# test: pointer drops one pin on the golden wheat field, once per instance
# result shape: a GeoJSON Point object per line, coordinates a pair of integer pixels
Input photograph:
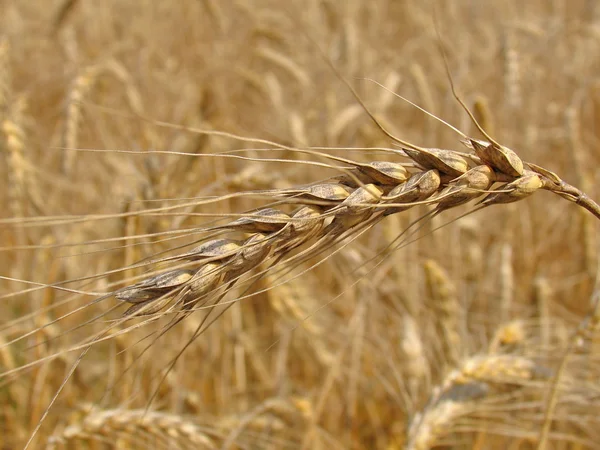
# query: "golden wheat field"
{"type": "Point", "coordinates": [223, 225]}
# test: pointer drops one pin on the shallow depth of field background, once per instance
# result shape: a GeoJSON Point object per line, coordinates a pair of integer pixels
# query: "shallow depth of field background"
{"type": "Point", "coordinates": [356, 372]}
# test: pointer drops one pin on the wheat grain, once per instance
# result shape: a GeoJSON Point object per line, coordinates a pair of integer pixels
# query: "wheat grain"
{"type": "Point", "coordinates": [135, 427]}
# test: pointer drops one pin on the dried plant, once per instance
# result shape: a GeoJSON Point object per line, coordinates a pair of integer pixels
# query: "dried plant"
{"type": "Point", "coordinates": [187, 286]}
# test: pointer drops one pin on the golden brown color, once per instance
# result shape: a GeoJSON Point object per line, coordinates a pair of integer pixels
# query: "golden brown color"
{"type": "Point", "coordinates": [157, 171]}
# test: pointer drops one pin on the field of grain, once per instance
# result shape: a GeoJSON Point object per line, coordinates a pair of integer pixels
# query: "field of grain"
{"type": "Point", "coordinates": [133, 133]}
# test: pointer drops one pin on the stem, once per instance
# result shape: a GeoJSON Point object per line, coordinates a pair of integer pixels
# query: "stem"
{"type": "Point", "coordinates": [589, 204]}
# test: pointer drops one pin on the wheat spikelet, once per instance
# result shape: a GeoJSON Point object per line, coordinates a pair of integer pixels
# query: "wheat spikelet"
{"type": "Point", "coordinates": [413, 350]}
{"type": "Point", "coordinates": [80, 87]}
{"type": "Point", "coordinates": [63, 12]}
{"type": "Point", "coordinates": [293, 301]}
{"type": "Point", "coordinates": [14, 149]}
{"type": "Point", "coordinates": [133, 427]}
{"type": "Point", "coordinates": [342, 122]}
{"type": "Point", "coordinates": [284, 232]}
{"type": "Point", "coordinates": [483, 113]}
{"type": "Point", "coordinates": [391, 82]}
{"type": "Point", "coordinates": [287, 64]}
{"type": "Point", "coordinates": [427, 98]}
{"type": "Point", "coordinates": [437, 421]}
{"type": "Point", "coordinates": [497, 368]}
{"type": "Point", "coordinates": [445, 302]}
{"type": "Point", "coordinates": [274, 417]}
{"type": "Point", "coordinates": [508, 337]}
{"type": "Point", "coordinates": [460, 391]}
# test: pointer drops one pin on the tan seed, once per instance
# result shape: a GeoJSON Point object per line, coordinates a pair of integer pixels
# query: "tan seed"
{"type": "Point", "coordinates": [215, 248]}
{"type": "Point", "coordinates": [383, 172]}
{"type": "Point", "coordinates": [329, 191]}
{"type": "Point", "coordinates": [501, 158]}
{"type": "Point", "coordinates": [445, 161]}
{"type": "Point", "coordinates": [517, 190]}
{"type": "Point", "coordinates": [267, 219]}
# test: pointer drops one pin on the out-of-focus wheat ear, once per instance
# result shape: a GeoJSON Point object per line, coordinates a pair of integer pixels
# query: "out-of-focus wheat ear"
{"type": "Point", "coordinates": [79, 89]}
{"type": "Point", "coordinates": [293, 302]}
{"type": "Point", "coordinates": [139, 428]}
{"type": "Point", "coordinates": [63, 12]}
{"type": "Point", "coordinates": [483, 113]}
{"type": "Point", "coordinates": [507, 282]}
{"type": "Point", "coordinates": [13, 135]}
{"type": "Point", "coordinates": [428, 426]}
{"type": "Point", "coordinates": [463, 388]}
{"type": "Point", "coordinates": [508, 336]}
{"type": "Point", "coordinates": [512, 71]}
{"type": "Point", "coordinates": [417, 368]}
{"type": "Point", "coordinates": [287, 64]}
{"type": "Point", "coordinates": [273, 416]}
{"type": "Point", "coordinates": [385, 100]}
{"type": "Point", "coordinates": [449, 310]}
{"type": "Point", "coordinates": [425, 94]}
{"type": "Point", "coordinates": [473, 260]}
{"type": "Point", "coordinates": [297, 126]}
{"type": "Point", "coordinates": [496, 369]}
{"type": "Point", "coordinates": [134, 97]}
{"type": "Point", "coordinates": [328, 383]}
{"type": "Point", "coordinates": [342, 121]}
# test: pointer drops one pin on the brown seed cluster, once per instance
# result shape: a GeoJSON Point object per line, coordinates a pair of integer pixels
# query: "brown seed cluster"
{"type": "Point", "coordinates": [329, 211]}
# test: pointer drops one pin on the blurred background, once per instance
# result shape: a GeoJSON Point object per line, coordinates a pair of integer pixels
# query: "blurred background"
{"type": "Point", "coordinates": [450, 343]}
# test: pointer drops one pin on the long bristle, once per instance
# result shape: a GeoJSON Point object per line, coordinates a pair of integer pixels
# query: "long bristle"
{"type": "Point", "coordinates": [215, 235]}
